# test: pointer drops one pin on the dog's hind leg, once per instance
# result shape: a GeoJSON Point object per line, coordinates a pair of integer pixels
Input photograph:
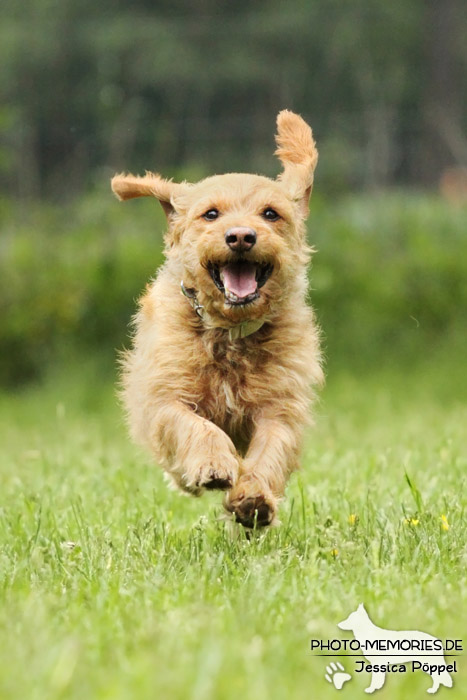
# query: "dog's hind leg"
{"type": "Point", "coordinates": [438, 679]}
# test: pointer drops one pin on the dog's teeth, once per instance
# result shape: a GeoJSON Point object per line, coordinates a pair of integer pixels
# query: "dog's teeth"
{"type": "Point", "coordinates": [231, 296]}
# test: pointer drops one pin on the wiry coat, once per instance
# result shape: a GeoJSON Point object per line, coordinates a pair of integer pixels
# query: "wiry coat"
{"type": "Point", "coordinates": [219, 412]}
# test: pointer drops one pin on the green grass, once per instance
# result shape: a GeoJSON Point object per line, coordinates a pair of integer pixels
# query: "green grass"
{"type": "Point", "coordinates": [113, 586]}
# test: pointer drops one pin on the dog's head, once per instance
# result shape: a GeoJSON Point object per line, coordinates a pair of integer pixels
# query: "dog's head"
{"type": "Point", "coordinates": [356, 619]}
{"type": "Point", "coordinates": [239, 239]}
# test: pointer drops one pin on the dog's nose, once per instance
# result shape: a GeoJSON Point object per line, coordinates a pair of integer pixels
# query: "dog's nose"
{"type": "Point", "coordinates": [240, 238]}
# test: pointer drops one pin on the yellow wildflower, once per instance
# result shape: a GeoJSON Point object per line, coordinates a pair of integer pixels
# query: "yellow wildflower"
{"type": "Point", "coordinates": [353, 519]}
{"type": "Point", "coordinates": [444, 523]}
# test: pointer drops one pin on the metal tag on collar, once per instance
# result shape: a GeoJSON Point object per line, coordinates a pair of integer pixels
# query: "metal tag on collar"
{"type": "Point", "coordinates": [243, 330]}
{"type": "Point", "coordinates": [190, 294]}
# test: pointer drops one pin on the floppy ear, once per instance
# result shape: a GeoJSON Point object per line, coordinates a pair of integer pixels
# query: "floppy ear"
{"type": "Point", "coordinates": [150, 185]}
{"type": "Point", "coordinates": [297, 152]}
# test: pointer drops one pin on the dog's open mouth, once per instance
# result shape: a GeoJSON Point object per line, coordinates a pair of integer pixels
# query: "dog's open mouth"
{"type": "Point", "coordinates": [241, 280]}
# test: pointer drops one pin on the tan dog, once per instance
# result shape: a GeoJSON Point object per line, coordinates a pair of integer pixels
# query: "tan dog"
{"type": "Point", "coordinates": [220, 377]}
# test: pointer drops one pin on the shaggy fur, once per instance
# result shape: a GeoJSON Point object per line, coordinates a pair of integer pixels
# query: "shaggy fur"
{"type": "Point", "coordinates": [215, 411]}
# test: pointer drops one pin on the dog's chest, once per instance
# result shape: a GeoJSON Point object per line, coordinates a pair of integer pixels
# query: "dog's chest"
{"type": "Point", "coordinates": [229, 379]}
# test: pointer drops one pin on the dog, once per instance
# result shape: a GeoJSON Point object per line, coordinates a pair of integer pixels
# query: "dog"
{"type": "Point", "coordinates": [226, 355]}
{"type": "Point", "coordinates": [368, 634]}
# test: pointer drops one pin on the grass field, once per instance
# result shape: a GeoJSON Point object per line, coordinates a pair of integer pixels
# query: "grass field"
{"type": "Point", "coordinates": [112, 586]}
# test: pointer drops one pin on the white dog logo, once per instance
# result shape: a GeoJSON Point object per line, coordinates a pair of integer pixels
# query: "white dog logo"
{"type": "Point", "coordinates": [368, 635]}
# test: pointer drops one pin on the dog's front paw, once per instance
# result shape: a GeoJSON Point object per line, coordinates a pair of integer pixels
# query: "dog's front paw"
{"type": "Point", "coordinates": [219, 474]}
{"type": "Point", "coordinates": [213, 478]}
{"type": "Point", "coordinates": [251, 505]}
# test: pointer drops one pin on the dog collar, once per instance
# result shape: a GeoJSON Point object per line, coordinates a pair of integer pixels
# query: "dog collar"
{"type": "Point", "coordinates": [242, 330]}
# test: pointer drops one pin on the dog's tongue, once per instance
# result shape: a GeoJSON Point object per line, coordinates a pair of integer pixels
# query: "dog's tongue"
{"type": "Point", "coordinates": [240, 278]}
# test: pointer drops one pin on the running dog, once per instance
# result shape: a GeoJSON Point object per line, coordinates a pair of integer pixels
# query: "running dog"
{"type": "Point", "coordinates": [225, 354]}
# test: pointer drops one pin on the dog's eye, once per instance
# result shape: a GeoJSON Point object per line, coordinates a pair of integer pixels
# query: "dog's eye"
{"type": "Point", "coordinates": [211, 214]}
{"type": "Point", "coordinates": [270, 214]}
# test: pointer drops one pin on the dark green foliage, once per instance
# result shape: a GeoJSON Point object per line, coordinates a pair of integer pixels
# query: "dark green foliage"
{"type": "Point", "coordinates": [389, 277]}
{"type": "Point", "coordinates": [92, 87]}
{"type": "Point", "coordinates": [69, 281]}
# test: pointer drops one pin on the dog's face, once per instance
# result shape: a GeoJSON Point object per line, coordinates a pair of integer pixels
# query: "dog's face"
{"type": "Point", "coordinates": [239, 239]}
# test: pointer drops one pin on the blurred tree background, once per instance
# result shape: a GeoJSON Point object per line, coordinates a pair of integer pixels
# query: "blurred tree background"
{"type": "Point", "coordinates": [189, 89]}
